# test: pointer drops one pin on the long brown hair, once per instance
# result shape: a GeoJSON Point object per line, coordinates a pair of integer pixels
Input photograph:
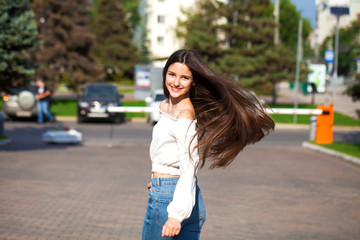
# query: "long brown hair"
{"type": "Point", "coordinates": [228, 116]}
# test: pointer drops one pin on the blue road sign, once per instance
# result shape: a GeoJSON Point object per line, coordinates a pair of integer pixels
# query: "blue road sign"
{"type": "Point", "coordinates": [329, 56]}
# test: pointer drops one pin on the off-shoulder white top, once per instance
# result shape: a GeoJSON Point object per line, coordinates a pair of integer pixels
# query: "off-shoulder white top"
{"type": "Point", "coordinates": [169, 153]}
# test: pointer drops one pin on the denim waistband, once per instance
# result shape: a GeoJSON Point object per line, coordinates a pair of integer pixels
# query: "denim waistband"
{"type": "Point", "coordinates": [164, 181]}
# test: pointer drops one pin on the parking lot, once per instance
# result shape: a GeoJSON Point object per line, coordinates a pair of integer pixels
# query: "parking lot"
{"type": "Point", "coordinates": [273, 190]}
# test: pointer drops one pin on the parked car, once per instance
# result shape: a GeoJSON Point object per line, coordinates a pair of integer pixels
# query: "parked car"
{"type": "Point", "coordinates": [94, 101]}
{"type": "Point", "coordinates": [20, 103]}
{"type": "Point", "coordinates": [154, 101]}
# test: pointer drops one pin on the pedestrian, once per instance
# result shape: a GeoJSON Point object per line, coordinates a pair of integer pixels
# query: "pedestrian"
{"type": "Point", "coordinates": [43, 98]}
{"type": "Point", "coordinates": [205, 118]}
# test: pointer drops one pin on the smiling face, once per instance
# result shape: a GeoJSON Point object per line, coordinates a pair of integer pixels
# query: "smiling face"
{"type": "Point", "coordinates": [179, 80]}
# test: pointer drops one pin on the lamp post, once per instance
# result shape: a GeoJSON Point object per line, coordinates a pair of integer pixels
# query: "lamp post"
{"type": "Point", "coordinates": [337, 8]}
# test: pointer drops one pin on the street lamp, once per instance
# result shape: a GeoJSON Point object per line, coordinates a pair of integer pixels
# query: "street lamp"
{"type": "Point", "coordinates": [337, 8]}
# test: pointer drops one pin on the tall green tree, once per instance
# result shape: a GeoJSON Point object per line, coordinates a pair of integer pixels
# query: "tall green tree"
{"type": "Point", "coordinates": [114, 47]}
{"type": "Point", "coordinates": [64, 53]}
{"type": "Point", "coordinates": [288, 25]}
{"type": "Point", "coordinates": [252, 56]}
{"type": "Point", "coordinates": [237, 38]}
{"type": "Point", "coordinates": [201, 30]}
{"type": "Point", "coordinates": [349, 48]}
{"type": "Point", "coordinates": [18, 33]}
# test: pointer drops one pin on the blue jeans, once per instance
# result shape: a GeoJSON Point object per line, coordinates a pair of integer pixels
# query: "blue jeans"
{"type": "Point", "coordinates": [43, 108]}
{"type": "Point", "coordinates": [160, 195]}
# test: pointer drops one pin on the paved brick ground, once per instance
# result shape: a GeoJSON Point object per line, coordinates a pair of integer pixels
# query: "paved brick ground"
{"type": "Point", "coordinates": [95, 193]}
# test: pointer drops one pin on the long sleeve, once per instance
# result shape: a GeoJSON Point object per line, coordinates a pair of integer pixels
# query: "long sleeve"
{"type": "Point", "coordinates": [184, 195]}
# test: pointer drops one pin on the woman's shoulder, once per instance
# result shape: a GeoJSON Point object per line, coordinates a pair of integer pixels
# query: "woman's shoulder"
{"type": "Point", "coordinates": [186, 114]}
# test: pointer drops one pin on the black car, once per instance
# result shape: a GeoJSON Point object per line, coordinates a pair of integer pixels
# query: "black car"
{"type": "Point", "coordinates": [94, 101]}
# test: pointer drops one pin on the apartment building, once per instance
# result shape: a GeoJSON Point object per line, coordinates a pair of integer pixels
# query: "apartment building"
{"type": "Point", "coordinates": [326, 22]}
{"type": "Point", "coordinates": [160, 19]}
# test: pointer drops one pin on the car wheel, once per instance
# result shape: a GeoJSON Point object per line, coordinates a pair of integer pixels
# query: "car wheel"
{"type": "Point", "coordinates": [26, 100]}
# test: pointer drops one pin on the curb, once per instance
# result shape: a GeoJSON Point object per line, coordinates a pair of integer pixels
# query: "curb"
{"type": "Point", "coordinates": [291, 126]}
{"type": "Point", "coordinates": [65, 119]}
{"type": "Point", "coordinates": [331, 152]}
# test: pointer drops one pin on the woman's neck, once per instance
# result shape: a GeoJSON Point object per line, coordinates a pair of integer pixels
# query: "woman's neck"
{"type": "Point", "coordinates": [175, 106]}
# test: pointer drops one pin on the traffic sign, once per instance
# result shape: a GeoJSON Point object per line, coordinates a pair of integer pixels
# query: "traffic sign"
{"type": "Point", "coordinates": [329, 56]}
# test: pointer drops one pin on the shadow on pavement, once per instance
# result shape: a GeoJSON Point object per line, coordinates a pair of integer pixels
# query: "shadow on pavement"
{"type": "Point", "coordinates": [349, 137]}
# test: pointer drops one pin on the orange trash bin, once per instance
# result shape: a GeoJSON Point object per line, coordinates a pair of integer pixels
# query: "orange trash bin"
{"type": "Point", "coordinates": [324, 125]}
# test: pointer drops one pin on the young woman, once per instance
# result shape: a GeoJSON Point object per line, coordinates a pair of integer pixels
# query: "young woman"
{"type": "Point", "coordinates": [204, 118]}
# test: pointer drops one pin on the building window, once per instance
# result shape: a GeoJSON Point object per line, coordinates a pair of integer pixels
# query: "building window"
{"type": "Point", "coordinates": [160, 41]}
{"type": "Point", "coordinates": [161, 19]}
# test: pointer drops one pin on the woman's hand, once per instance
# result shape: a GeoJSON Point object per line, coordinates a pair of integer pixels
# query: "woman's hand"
{"type": "Point", "coordinates": [171, 228]}
{"type": "Point", "coordinates": [149, 186]}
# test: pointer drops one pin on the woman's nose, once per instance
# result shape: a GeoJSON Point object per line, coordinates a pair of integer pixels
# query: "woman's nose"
{"type": "Point", "coordinates": [177, 81]}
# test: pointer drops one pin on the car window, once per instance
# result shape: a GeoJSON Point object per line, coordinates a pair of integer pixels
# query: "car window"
{"type": "Point", "coordinates": [159, 97]}
{"type": "Point", "coordinates": [100, 91]}
{"type": "Point", "coordinates": [32, 89]}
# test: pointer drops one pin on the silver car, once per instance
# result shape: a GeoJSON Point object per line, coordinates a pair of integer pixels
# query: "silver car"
{"type": "Point", "coordinates": [20, 103]}
{"type": "Point", "coordinates": [154, 101]}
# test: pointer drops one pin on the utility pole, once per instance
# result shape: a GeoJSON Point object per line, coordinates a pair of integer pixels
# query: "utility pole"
{"type": "Point", "coordinates": [336, 63]}
{"type": "Point", "coordinates": [337, 8]}
{"type": "Point", "coordinates": [298, 61]}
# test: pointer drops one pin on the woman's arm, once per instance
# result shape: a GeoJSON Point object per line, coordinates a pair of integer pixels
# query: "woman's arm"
{"type": "Point", "coordinates": [183, 201]}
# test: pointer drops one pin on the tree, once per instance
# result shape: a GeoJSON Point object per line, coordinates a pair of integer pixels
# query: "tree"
{"type": "Point", "coordinates": [237, 38]}
{"type": "Point", "coordinates": [349, 48]}
{"type": "Point", "coordinates": [114, 48]}
{"type": "Point", "coordinates": [201, 30]}
{"type": "Point", "coordinates": [18, 33]}
{"type": "Point", "coordinates": [289, 21]}
{"type": "Point", "coordinates": [352, 39]}
{"type": "Point", "coordinates": [354, 90]}
{"type": "Point", "coordinates": [64, 53]}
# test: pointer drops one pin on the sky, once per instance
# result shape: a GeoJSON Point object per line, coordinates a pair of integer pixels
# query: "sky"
{"type": "Point", "coordinates": [306, 8]}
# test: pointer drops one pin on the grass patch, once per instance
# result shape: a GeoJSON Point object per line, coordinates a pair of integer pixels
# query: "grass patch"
{"type": "Point", "coordinates": [3, 137]}
{"type": "Point", "coordinates": [125, 82]}
{"type": "Point", "coordinates": [64, 107]}
{"type": "Point", "coordinates": [134, 103]}
{"type": "Point", "coordinates": [339, 119]}
{"type": "Point", "coordinates": [68, 107]}
{"type": "Point", "coordinates": [126, 90]}
{"type": "Point", "coordinates": [344, 120]}
{"type": "Point", "coordinates": [289, 118]}
{"type": "Point", "coordinates": [351, 149]}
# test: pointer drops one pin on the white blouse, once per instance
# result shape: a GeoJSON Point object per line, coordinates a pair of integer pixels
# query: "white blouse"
{"type": "Point", "coordinates": [169, 153]}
